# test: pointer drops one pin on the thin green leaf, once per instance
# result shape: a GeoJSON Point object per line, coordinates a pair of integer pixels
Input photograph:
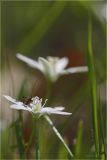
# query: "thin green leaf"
{"type": "Point", "coordinates": [93, 83]}
{"type": "Point", "coordinates": [19, 124]}
{"type": "Point", "coordinates": [103, 131]}
{"type": "Point", "coordinates": [19, 138]}
{"type": "Point", "coordinates": [79, 140]}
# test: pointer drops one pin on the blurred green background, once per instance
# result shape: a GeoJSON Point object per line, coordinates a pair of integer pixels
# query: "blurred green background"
{"type": "Point", "coordinates": [52, 28]}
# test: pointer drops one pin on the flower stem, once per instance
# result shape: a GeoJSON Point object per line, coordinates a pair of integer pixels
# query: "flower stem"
{"type": "Point", "coordinates": [32, 134]}
{"type": "Point", "coordinates": [48, 91]}
{"type": "Point", "coordinates": [37, 140]}
{"type": "Point", "coordinates": [35, 133]}
{"type": "Point", "coordinates": [58, 134]}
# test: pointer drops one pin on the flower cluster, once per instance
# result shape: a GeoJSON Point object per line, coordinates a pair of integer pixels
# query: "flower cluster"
{"type": "Point", "coordinates": [36, 107]}
{"type": "Point", "coordinates": [52, 68]}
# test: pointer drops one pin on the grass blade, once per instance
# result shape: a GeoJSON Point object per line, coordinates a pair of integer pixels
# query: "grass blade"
{"type": "Point", "coordinates": [19, 138]}
{"type": "Point", "coordinates": [79, 140]}
{"type": "Point", "coordinates": [93, 83]}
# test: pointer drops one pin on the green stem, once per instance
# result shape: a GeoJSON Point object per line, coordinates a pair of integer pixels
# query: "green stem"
{"type": "Point", "coordinates": [48, 91]}
{"type": "Point", "coordinates": [32, 134]}
{"type": "Point", "coordinates": [58, 134]}
{"type": "Point", "coordinates": [37, 140]}
{"type": "Point", "coordinates": [35, 133]}
{"type": "Point", "coordinates": [93, 88]}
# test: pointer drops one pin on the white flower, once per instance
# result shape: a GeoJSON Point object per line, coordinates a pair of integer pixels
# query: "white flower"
{"type": "Point", "coordinates": [52, 67]}
{"type": "Point", "coordinates": [36, 107]}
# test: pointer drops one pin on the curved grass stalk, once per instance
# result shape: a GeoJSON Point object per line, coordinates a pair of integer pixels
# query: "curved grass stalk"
{"type": "Point", "coordinates": [58, 135]}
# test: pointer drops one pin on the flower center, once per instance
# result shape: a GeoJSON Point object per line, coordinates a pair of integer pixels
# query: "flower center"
{"type": "Point", "coordinates": [36, 104]}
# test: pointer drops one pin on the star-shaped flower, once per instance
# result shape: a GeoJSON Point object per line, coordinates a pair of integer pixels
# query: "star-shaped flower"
{"type": "Point", "coordinates": [52, 67]}
{"type": "Point", "coordinates": [36, 107]}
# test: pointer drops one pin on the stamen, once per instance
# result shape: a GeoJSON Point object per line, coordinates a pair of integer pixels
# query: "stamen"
{"type": "Point", "coordinates": [45, 102]}
{"type": "Point", "coordinates": [41, 100]}
{"type": "Point", "coordinates": [35, 100]}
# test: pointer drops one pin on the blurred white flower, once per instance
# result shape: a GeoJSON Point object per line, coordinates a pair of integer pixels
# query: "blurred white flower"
{"type": "Point", "coordinates": [52, 67]}
{"type": "Point", "coordinates": [35, 106]}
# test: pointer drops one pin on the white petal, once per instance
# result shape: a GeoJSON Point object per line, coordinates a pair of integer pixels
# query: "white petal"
{"type": "Point", "coordinates": [75, 70]}
{"type": "Point", "coordinates": [29, 61]}
{"type": "Point", "coordinates": [59, 108]}
{"type": "Point", "coordinates": [14, 106]}
{"type": "Point", "coordinates": [20, 107]}
{"type": "Point", "coordinates": [12, 100]}
{"type": "Point", "coordinates": [61, 64]}
{"type": "Point", "coordinates": [19, 103]}
{"type": "Point", "coordinates": [28, 109]}
{"type": "Point", "coordinates": [49, 110]}
{"type": "Point", "coordinates": [61, 113]}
